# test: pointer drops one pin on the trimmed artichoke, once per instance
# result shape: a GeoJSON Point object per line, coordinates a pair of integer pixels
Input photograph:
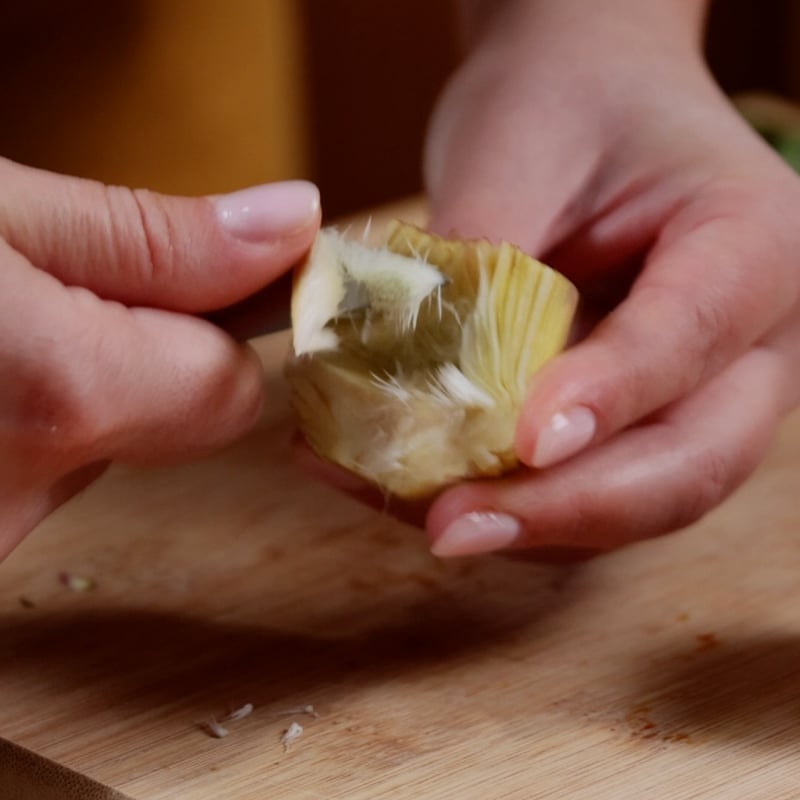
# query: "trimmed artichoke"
{"type": "Point", "coordinates": [409, 364]}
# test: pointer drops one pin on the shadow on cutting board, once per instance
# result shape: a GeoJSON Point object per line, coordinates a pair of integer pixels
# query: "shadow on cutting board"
{"type": "Point", "coordinates": [137, 660]}
{"type": "Point", "coordinates": [742, 691]}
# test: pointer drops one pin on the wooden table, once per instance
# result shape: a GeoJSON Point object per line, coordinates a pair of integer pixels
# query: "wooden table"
{"type": "Point", "coordinates": [668, 670]}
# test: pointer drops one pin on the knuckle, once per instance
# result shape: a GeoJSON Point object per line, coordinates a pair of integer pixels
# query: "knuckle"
{"type": "Point", "coordinates": [713, 331]}
{"type": "Point", "coordinates": [601, 522]}
{"type": "Point", "coordinates": [75, 425]}
{"type": "Point", "coordinates": [582, 520]}
{"type": "Point", "coordinates": [51, 416]}
{"type": "Point", "coordinates": [53, 411]}
{"type": "Point", "coordinates": [142, 228]}
{"type": "Point", "coordinates": [683, 338]}
{"type": "Point", "coordinates": [714, 476]}
{"type": "Point", "coordinates": [702, 322]}
{"type": "Point", "coordinates": [156, 235]}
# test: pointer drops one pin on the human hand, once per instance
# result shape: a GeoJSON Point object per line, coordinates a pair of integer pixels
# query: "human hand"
{"type": "Point", "coordinates": [598, 142]}
{"type": "Point", "coordinates": [101, 355]}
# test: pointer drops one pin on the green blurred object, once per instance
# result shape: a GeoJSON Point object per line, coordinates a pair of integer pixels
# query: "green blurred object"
{"type": "Point", "coordinates": [786, 143]}
{"type": "Point", "coordinates": [777, 120]}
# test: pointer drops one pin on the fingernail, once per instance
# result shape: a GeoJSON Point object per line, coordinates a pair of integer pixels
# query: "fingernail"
{"type": "Point", "coordinates": [270, 211]}
{"type": "Point", "coordinates": [566, 434]}
{"type": "Point", "coordinates": [477, 532]}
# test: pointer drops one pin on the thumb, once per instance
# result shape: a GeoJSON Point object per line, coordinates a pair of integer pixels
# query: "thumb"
{"type": "Point", "coordinates": [142, 248]}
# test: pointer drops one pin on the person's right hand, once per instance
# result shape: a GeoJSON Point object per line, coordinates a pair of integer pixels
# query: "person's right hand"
{"type": "Point", "coordinates": [101, 355]}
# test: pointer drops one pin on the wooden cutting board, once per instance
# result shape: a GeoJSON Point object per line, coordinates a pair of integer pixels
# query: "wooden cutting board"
{"type": "Point", "coordinates": [668, 670]}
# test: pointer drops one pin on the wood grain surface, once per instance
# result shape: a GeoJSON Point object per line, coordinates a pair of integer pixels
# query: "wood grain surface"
{"type": "Point", "coordinates": [667, 670]}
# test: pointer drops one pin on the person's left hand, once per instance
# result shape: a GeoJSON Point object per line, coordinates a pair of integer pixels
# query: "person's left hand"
{"type": "Point", "coordinates": [635, 177]}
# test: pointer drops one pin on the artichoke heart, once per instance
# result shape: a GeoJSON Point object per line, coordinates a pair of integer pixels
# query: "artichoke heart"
{"type": "Point", "coordinates": [409, 363]}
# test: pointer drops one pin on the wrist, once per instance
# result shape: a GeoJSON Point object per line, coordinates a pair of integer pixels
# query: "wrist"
{"type": "Point", "coordinates": [679, 23]}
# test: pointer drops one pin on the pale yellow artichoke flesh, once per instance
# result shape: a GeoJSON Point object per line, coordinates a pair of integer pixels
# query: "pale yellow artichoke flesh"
{"type": "Point", "coordinates": [410, 363]}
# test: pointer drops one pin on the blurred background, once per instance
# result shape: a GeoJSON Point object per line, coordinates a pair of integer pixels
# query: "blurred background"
{"type": "Point", "coordinates": [200, 96]}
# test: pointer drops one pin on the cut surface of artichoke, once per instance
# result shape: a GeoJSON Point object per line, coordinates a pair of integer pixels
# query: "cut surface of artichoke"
{"type": "Point", "coordinates": [409, 363]}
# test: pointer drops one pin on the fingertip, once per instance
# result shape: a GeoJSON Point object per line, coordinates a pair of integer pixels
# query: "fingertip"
{"type": "Point", "coordinates": [270, 212]}
{"type": "Point", "coordinates": [564, 435]}
{"type": "Point", "coordinates": [454, 503]}
{"type": "Point", "coordinates": [477, 532]}
{"type": "Point", "coordinates": [561, 413]}
{"type": "Point", "coordinates": [265, 231]}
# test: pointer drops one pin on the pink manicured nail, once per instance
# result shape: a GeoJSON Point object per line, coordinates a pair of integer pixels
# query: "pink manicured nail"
{"type": "Point", "coordinates": [270, 211]}
{"type": "Point", "coordinates": [566, 434]}
{"type": "Point", "coordinates": [477, 532]}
